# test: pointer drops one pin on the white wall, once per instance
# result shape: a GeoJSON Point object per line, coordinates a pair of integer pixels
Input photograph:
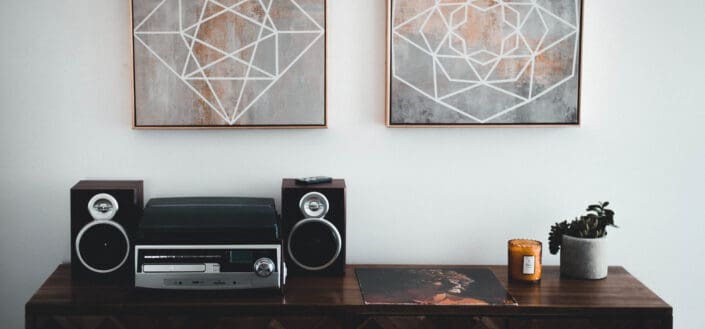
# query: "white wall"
{"type": "Point", "coordinates": [415, 196]}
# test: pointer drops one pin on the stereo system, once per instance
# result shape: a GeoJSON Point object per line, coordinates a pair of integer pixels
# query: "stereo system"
{"type": "Point", "coordinates": [104, 219]}
{"type": "Point", "coordinates": [313, 221]}
{"type": "Point", "coordinates": [206, 243]}
{"type": "Point", "coordinates": [209, 244]}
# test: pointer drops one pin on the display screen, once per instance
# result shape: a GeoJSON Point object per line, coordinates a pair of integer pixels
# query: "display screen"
{"type": "Point", "coordinates": [241, 257]}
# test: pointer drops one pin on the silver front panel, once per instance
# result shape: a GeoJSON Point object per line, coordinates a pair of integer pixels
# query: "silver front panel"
{"type": "Point", "coordinates": [203, 276]}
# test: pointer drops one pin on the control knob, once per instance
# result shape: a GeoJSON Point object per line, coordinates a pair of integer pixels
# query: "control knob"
{"type": "Point", "coordinates": [264, 267]}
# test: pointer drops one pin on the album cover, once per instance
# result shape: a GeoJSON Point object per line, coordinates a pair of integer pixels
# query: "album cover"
{"type": "Point", "coordinates": [432, 286]}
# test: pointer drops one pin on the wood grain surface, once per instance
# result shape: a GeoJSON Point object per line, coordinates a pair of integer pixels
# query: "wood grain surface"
{"type": "Point", "coordinates": [620, 301]}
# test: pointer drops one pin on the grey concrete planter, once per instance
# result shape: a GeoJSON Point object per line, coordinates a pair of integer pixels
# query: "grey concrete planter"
{"type": "Point", "coordinates": [584, 258]}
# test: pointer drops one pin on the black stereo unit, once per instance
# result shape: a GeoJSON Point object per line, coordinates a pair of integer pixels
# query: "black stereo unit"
{"type": "Point", "coordinates": [104, 219]}
{"type": "Point", "coordinates": [313, 222]}
{"type": "Point", "coordinates": [209, 243]}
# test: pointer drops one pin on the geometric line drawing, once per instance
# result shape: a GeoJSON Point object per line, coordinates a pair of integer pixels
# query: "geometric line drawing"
{"type": "Point", "coordinates": [492, 45]}
{"type": "Point", "coordinates": [228, 72]}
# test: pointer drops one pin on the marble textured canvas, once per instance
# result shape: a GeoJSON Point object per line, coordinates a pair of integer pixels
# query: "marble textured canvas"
{"type": "Point", "coordinates": [483, 62]}
{"type": "Point", "coordinates": [229, 63]}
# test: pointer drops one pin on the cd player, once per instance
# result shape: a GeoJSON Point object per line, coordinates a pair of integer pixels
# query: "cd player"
{"type": "Point", "coordinates": [209, 244]}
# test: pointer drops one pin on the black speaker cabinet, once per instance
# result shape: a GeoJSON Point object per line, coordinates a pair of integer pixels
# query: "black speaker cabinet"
{"type": "Point", "coordinates": [313, 221]}
{"type": "Point", "coordinates": [104, 219]}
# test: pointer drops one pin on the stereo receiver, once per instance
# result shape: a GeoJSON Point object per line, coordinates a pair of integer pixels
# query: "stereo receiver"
{"type": "Point", "coordinates": [209, 244]}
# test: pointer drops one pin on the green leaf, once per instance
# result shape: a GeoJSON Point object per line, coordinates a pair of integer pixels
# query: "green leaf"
{"type": "Point", "coordinates": [591, 225]}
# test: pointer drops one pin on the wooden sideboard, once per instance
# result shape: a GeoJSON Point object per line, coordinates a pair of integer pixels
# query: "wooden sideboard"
{"type": "Point", "coordinates": [620, 301]}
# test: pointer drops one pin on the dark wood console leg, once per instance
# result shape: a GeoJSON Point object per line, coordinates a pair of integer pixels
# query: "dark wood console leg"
{"type": "Point", "coordinates": [30, 321]}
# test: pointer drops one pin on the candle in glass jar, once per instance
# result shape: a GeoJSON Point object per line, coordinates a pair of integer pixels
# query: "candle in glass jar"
{"type": "Point", "coordinates": [524, 261]}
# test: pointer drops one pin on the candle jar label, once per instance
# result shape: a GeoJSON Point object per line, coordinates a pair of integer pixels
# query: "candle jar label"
{"type": "Point", "coordinates": [529, 267]}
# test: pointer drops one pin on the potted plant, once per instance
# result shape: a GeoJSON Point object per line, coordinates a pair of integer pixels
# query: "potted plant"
{"type": "Point", "coordinates": [583, 244]}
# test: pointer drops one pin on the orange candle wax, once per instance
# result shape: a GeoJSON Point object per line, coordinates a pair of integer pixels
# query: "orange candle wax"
{"type": "Point", "coordinates": [524, 261]}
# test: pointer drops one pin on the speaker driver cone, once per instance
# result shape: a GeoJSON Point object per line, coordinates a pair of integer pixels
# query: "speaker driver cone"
{"type": "Point", "coordinates": [102, 246]}
{"type": "Point", "coordinates": [314, 244]}
{"type": "Point", "coordinates": [314, 205]}
{"type": "Point", "coordinates": [103, 206]}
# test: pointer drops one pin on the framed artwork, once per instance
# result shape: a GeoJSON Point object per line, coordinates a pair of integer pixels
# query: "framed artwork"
{"type": "Point", "coordinates": [483, 62]}
{"type": "Point", "coordinates": [229, 63]}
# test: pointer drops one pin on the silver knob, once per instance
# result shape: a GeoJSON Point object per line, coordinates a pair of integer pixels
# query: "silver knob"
{"type": "Point", "coordinates": [264, 267]}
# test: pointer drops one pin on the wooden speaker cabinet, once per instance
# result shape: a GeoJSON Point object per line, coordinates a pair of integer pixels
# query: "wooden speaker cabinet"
{"type": "Point", "coordinates": [313, 225]}
{"type": "Point", "coordinates": [104, 219]}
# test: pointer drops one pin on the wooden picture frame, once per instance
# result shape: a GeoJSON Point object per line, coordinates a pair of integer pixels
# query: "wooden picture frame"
{"type": "Point", "coordinates": [427, 120]}
{"type": "Point", "coordinates": [282, 107]}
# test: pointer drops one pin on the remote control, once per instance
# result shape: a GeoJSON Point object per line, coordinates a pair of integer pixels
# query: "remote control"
{"type": "Point", "coordinates": [314, 180]}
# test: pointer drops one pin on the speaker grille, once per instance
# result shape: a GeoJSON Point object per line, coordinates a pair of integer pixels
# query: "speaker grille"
{"type": "Point", "coordinates": [103, 246]}
{"type": "Point", "coordinates": [314, 244]}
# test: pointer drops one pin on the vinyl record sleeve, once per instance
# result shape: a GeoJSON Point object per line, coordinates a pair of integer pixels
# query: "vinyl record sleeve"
{"type": "Point", "coordinates": [432, 286]}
